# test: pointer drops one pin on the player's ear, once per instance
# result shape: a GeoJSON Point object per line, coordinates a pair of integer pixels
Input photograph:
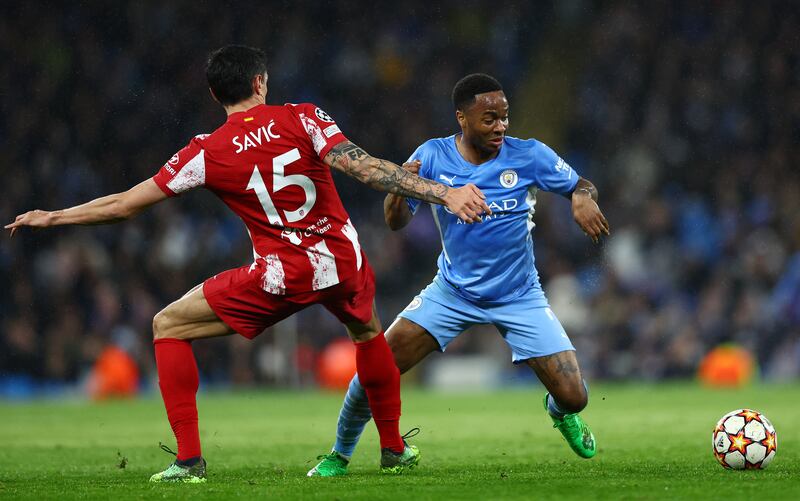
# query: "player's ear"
{"type": "Point", "coordinates": [260, 84]}
{"type": "Point", "coordinates": [461, 118]}
{"type": "Point", "coordinates": [212, 95]}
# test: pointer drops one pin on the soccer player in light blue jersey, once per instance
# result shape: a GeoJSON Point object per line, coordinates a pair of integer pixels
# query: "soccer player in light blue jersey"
{"type": "Point", "coordinates": [486, 271]}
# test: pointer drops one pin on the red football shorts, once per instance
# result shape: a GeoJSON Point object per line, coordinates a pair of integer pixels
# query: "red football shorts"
{"type": "Point", "coordinates": [239, 301]}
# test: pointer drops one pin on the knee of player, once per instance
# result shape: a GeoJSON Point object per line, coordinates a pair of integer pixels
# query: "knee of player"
{"type": "Point", "coordinates": [575, 401]}
{"type": "Point", "coordinates": [161, 325]}
{"type": "Point", "coordinates": [402, 353]}
{"type": "Point", "coordinates": [402, 360]}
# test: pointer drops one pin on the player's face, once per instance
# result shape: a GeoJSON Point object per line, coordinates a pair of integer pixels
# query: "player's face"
{"type": "Point", "coordinates": [484, 124]}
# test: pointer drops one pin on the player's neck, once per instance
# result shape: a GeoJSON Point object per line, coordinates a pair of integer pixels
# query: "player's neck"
{"type": "Point", "coordinates": [245, 105]}
{"type": "Point", "coordinates": [472, 154]}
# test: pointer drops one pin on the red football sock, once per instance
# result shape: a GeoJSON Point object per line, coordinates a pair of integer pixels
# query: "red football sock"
{"type": "Point", "coordinates": [381, 380]}
{"type": "Point", "coordinates": [178, 380]}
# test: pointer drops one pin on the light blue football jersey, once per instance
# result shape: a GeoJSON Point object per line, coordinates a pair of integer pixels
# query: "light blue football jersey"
{"type": "Point", "coordinates": [493, 261]}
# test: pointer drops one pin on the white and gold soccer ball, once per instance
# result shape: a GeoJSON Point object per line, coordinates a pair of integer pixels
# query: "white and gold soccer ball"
{"type": "Point", "coordinates": [744, 439]}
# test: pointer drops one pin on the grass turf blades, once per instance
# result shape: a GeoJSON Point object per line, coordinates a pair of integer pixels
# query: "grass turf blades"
{"type": "Point", "coordinates": [654, 444]}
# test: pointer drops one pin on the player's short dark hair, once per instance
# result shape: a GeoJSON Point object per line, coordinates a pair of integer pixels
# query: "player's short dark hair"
{"type": "Point", "coordinates": [471, 85]}
{"type": "Point", "coordinates": [230, 71]}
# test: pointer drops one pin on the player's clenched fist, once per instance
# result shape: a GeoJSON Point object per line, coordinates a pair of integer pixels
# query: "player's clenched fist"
{"type": "Point", "coordinates": [467, 202]}
{"type": "Point", "coordinates": [36, 218]}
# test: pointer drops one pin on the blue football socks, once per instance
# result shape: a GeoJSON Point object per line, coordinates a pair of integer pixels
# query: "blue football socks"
{"type": "Point", "coordinates": [353, 418]}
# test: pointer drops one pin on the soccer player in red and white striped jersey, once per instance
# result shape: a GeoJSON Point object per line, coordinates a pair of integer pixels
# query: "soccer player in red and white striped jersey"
{"type": "Point", "coordinates": [271, 166]}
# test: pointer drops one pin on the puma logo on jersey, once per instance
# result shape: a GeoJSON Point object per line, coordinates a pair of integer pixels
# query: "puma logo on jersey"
{"type": "Point", "coordinates": [255, 138]}
{"type": "Point", "coordinates": [450, 180]}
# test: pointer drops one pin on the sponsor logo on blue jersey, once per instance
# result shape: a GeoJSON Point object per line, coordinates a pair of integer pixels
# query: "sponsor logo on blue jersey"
{"type": "Point", "coordinates": [493, 261]}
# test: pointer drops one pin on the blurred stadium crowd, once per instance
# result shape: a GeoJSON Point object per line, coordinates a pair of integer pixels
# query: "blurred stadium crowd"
{"type": "Point", "coordinates": [687, 118]}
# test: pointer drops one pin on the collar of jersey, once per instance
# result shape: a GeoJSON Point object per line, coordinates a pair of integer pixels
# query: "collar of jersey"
{"type": "Point", "coordinates": [464, 163]}
{"type": "Point", "coordinates": [241, 115]}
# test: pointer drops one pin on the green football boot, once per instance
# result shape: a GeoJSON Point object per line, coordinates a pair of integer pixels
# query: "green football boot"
{"type": "Point", "coordinates": [577, 433]}
{"type": "Point", "coordinates": [195, 474]}
{"type": "Point", "coordinates": [394, 464]}
{"type": "Point", "coordinates": [332, 465]}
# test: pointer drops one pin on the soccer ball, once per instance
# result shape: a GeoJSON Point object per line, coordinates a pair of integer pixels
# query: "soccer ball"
{"type": "Point", "coordinates": [744, 440]}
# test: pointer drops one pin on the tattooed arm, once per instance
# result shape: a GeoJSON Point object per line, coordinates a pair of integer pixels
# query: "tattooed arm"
{"type": "Point", "coordinates": [466, 202]}
{"type": "Point", "coordinates": [395, 208]}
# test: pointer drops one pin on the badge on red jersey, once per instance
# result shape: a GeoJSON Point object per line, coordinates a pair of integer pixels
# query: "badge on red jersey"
{"type": "Point", "coordinates": [277, 183]}
{"type": "Point", "coordinates": [323, 116]}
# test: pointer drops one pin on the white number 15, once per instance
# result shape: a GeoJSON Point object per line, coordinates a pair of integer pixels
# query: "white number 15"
{"type": "Point", "coordinates": [280, 181]}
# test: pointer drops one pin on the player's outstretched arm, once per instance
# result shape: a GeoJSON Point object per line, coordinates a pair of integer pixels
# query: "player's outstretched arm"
{"type": "Point", "coordinates": [103, 210]}
{"type": "Point", "coordinates": [586, 211]}
{"type": "Point", "coordinates": [395, 209]}
{"type": "Point", "coordinates": [466, 202]}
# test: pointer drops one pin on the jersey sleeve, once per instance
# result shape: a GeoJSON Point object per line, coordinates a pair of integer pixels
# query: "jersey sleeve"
{"type": "Point", "coordinates": [424, 171]}
{"type": "Point", "coordinates": [321, 129]}
{"type": "Point", "coordinates": [551, 172]}
{"type": "Point", "coordinates": [184, 171]}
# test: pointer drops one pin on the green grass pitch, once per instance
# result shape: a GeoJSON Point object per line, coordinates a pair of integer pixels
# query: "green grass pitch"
{"type": "Point", "coordinates": [654, 443]}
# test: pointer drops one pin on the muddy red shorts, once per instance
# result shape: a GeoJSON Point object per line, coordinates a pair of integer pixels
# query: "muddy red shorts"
{"type": "Point", "coordinates": [239, 301]}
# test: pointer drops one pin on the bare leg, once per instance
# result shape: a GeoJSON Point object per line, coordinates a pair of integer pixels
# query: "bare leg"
{"type": "Point", "coordinates": [360, 333]}
{"type": "Point", "coordinates": [189, 318]}
{"type": "Point", "coordinates": [561, 376]}
{"type": "Point", "coordinates": [174, 327]}
{"type": "Point", "coordinates": [410, 343]}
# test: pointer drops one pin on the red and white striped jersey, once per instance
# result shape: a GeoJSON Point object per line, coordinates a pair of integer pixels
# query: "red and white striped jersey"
{"type": "Point", "coordinates": [266, 165]}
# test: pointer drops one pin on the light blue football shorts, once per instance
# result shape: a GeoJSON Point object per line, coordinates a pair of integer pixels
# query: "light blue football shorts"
{"type": "Point", "coordinates": [530, 329]}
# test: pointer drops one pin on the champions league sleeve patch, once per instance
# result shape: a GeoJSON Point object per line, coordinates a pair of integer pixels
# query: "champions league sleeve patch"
{"type": "Point", "coordinates": [323, 116]}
